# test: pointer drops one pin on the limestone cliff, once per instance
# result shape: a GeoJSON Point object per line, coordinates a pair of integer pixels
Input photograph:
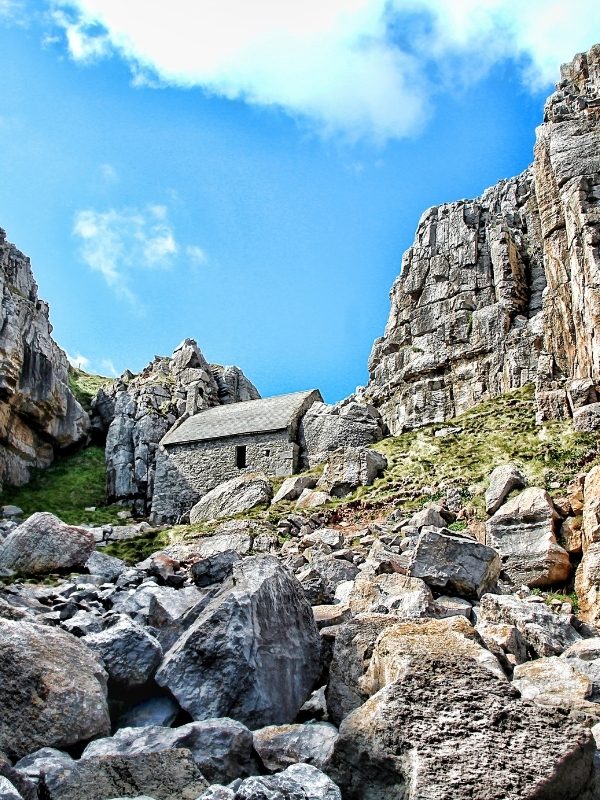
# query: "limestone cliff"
{"type": "Point", "coordinates": [38, 413]}
{"type": "Point", "coordinates": [136, 411]}
{"type": "Point", "coordinates": [503, 290]}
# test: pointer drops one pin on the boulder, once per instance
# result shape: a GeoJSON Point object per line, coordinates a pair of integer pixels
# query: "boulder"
{"type": "Point", "coordinates": [214, 569]}
{"type": "Point", "coordinates": [52, 689]}
{"type": "Point", "coordinates": [555, 681]}
{"type": "Point", "coordinates": [326, 428]}
{"type": "Point", "coordinates": [292, 488]}
{"type": "Point", "coordinates": [298, 782]}
{"type": "Point", "coordinates": [523, 532]}
{"type": "Point", "coordinates": [167, 775]}
{"type": "Point", "coordinates": [280, 746]}
{"type": "Point", "coordinates": [233, 497]}
{"type": "Point", "coordinates": [349, 468]}
{"type": "Point", "coordinates": [445, 606]}
{"type": "Point", "coordinates": [221, 748]}
{"type": "Point", "coordinates": [449, 728]}
{"type": "Point", "coordinates": [507, 637]}
{"type": "Point", "coordinates": [391, 593]}
{"type": "Point", "coordinates": [252, 654]}
{"type": "Point", "coordinates": [44, 544]}
{"type": "Point", "coordinates": [454, 564]}
{"type": "Point", "coordinates": [587, 580]}
{"type": "Point", "coordinates": [7, 790]}
{"type": "Point", "coordinates": [311, 498]}
{"type": "Point", "coordinates": [129, 653]}
{"type": "Point", "coordinates": [545, 633]}
{"type": "Point", "coordinates": [587, 418]}
{"type": "Point", "coordinates": [503, 480]}
{"type": "Point", "coordinates": [105, 566]}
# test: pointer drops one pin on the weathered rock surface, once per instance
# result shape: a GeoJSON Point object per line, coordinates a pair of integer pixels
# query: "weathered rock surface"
{"type": "Point", "coordinates": [52, 689]}
{"type": "Point", "coordinates": [298, 782]}
{"type": "Point", "coordinates": [325, 429]}
{"type": "Point", "coordinates": [129, 653]}
{"type": "Point", "coordinates": [555, 681]}
{"type": "Point", "coordinates": [454, 564]}
{"type": "Point", "coordinates": [391, 593]}
{"type": "Point", "coordinates": [587, 418]}
{"type": "Point", "coordinates": [221, 748]}
{"type": "Point", "coordinates": [168, 775]}
{"type": "Point", "coordinates": [8, 791]}
{"type": "Point", "coordinates": [503, 480]}
{"type": "Point", "coordinates": [39, 414]}
{"type": "Point", "coordinates": [292, 487]}
{"type": "Point", "coordinates": [523, 532]}
{"type": "Point", "coordinates": [429, 733]}
{"type": "Point", "coordinates": [253, 652]}
{"type": "Point", "coordinates": [280, 746]}
{"type": "Point", "coordinates": [351, 467]}
{"type": "Point", "coordinates": [44, 544]}
{"type": "Point", "coordinates": [136, 411]}
{"type": "Point", "coordinates": [233, 497]}
{"type": "Point", "coordinates": [587, 578]}
{"type": "Point", "coordinates": [546, 633]}
{"type": "Point", "coordinates": [502, 290]}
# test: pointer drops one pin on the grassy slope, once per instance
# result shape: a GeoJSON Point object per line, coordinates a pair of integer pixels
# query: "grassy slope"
{"type": "Point", "coordinates": [85, 386]}
{"type": "Point", "coordinates": [422, 466]}
{"type": "Point", "coordinates": [72, 484]}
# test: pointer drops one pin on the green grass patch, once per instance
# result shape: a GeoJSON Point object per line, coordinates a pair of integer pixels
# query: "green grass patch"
{"type": "Point", "coordinates": [493, 432]}
{"type": "Point", "coordinates": [85, 386]}
{"type": "Point", "coordinates": [137, 549]}
{"type": "Point", "coordinates": [69, 486]}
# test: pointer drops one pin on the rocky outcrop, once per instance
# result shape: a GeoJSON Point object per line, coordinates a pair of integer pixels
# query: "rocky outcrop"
{"type": "Point", "coordinates": [503, 290]}
{"type": "Point", "coordinates": [136, 411]}
{"type": "Point", "coordinates": [39, 414]}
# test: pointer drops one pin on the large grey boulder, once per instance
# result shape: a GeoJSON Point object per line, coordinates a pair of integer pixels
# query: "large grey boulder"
{"type": "Point", "coordinates": [166, 775]}
{"type": "Point", "coordinates": [587, 418]}
{"type": "Point", "coordinates": [253, 652]}
{"type": "Point", "coordinates": [349, 468]}
{"type": "Point", "coordinates": [129, 653]}
{"type": "Point", "coordinates": [44, 544]}
{"type": "Point", "coordinates": [221, 748]}
{"type": "Point", "coordinates": [523, 532]}
{"type": "Point", "coordinates": [449, 728]}
{"type": "Point", "coordinates": [556, 681]}
{"type": "Point", "coordinates": [280, 746]}
{"type": "Point", "coordinates": [325, 429]}
{"type": "Point", "coordinates": [105, 566]}
{"type": "Point", "coordinates": [392, 593]}
{"type": "Point", "coordinates": [214, 569]}
{"type": "Point", "coordinates": [7, 790]}
{"type": "Point", "coordinates": [503, 480]}
{"type": "Point", "coordinates": [292, 488]}
{"type": "Point", "coordinates": [454, 564]}
{"type": "Point", "coordinates": [546, 633]}
{"type": "Point", "coordinates": [298, 782]}
{"type": "Point", "coordinates": [233, 497]}
{"type": "Point", "coordinates": [52, 689]}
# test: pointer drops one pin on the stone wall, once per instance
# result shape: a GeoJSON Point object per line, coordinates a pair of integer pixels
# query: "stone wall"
{"type": "Point", "coordinates": [38, 413]}
{"type": "Point", "coordinates": [185, 472]}
{"type": "Point", "coordinates": [505, 289]}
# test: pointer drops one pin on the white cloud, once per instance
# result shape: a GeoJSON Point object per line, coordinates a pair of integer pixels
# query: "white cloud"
{"type": "Point", "coordinates": [108, 173]}
{"type": "Point", "coordinates": [196, 254]}
{"type": "Point", "coordinates": [108, 368]}
{"type": "Point", "coordinates": [79, 362]}
{"type": "Point", "coordinates": [361, 67]}
{"type": "Point", "coordinates": [115, 243]}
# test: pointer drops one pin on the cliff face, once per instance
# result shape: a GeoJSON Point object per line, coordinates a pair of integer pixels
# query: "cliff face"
{"type": "Point", "coordinates": [38, 413]}
{"type": "Point", "coordinates": [136, 411]}
{"type": "Point", "coordinates": [503, 290]}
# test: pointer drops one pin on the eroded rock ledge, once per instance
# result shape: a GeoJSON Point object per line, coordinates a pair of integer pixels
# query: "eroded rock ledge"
{"type": "Point", "coordinates": [38, 413]}
{"type": "Point", "coordinates": [503, 290]}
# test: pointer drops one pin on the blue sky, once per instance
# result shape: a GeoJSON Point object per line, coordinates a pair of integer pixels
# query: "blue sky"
{"type": "Point", "coordinates": [250, 177]}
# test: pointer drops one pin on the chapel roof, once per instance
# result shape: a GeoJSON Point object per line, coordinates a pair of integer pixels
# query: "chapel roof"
{"type": "Point", "coordinates": [235, 419]}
